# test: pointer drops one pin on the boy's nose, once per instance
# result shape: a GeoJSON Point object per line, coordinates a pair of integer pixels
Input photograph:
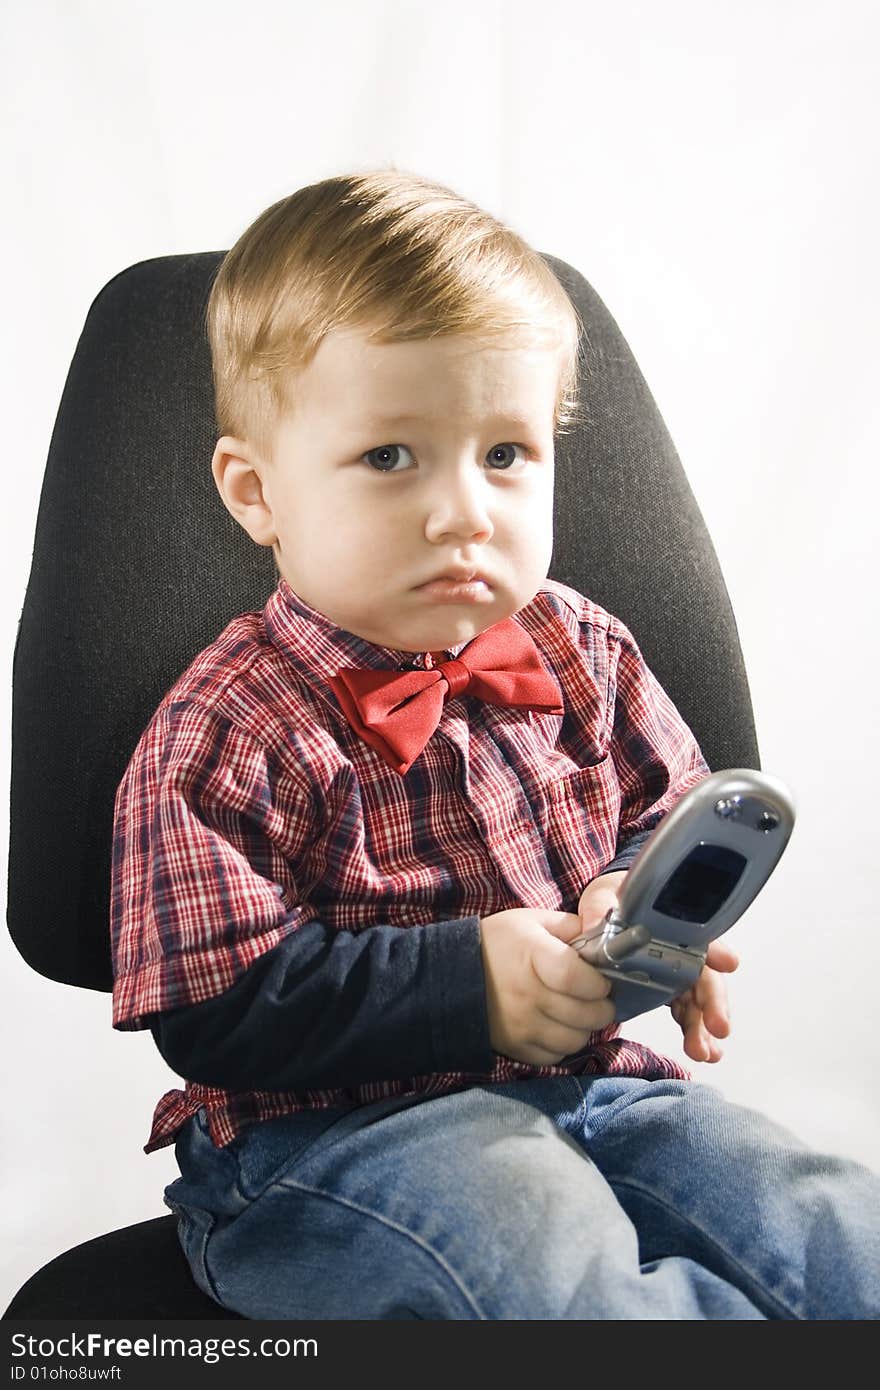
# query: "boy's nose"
{"type": "Point", "coordinates": [459, 507]}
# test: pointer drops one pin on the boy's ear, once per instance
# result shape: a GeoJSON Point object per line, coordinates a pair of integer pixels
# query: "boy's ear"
{"type": "Point", "coordinates": [239, 474]}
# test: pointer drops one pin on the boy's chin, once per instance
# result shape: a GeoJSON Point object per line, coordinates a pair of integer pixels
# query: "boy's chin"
{"type": "Point", "coordinates": [433, 628]}
{"type": "Point", "coordinates": [457, 626]}
{"type": "Point", "coordinates": [441, 639]}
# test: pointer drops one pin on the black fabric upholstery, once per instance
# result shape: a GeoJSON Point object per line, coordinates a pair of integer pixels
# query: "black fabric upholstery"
{"type": "Point", "coordinates": [137, 1272]}
{"type": "Point", "coordinates": [629, 534]}
{"type": "Point", "coordinates": [137, 566]}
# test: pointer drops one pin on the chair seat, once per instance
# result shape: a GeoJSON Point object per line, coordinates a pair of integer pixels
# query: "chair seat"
{"type": "Point", "coordinates": [139, 1271]}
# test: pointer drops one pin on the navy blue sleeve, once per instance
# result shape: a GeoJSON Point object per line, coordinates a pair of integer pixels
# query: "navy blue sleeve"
{"type": "Point", "coordinates": [627, 853]}
{"type": "Point", "coordinates": [330, 1008]}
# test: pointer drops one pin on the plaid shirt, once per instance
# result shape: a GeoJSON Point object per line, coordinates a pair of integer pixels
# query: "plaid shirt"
{"type": "Point", "coordinates": [250, 807]}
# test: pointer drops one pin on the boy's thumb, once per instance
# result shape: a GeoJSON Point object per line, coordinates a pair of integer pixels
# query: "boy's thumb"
{"type": "Point", "coordinates": [564, 925]}
{"type": "Point", "coordinates": [596, 902]}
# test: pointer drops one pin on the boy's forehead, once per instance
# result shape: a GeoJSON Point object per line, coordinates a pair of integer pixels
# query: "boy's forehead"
{"type": "Point", "coordinates": [455, 350]}
{"type": "Point", "coordinates": [397, 382]}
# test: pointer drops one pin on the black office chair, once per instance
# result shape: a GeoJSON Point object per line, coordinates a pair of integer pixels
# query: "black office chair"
{"type": "Point", "coordinates": [137, 566]}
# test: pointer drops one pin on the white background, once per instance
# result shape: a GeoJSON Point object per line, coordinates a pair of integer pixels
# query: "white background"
{"type": "Point", "coordinates": [712, 170]}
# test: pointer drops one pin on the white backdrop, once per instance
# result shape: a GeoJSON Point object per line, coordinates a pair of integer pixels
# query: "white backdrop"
{"type": "Point", "coordinates": [712, 170]}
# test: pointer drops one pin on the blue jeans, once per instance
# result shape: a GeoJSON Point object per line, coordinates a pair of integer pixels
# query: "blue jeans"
{"type": "Point", "coordinates": [574, 1197]}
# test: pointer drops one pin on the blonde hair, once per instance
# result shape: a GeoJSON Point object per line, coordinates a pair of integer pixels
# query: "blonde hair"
{"type": "Point", "coordinates": [385, 251]}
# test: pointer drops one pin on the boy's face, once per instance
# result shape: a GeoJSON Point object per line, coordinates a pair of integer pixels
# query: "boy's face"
{"type": "Point", "coordinates": [398, 463]}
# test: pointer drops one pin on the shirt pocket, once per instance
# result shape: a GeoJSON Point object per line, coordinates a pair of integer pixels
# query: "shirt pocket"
{"type": "Point", "coordinates": [578, 816]}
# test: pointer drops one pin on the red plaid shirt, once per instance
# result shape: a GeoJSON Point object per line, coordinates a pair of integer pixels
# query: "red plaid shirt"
{"type": "Point", "coordinates": [250, 807]}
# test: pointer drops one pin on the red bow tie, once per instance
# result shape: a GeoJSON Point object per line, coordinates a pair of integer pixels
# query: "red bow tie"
{"type": "Point", "coordinates": [396, 712]}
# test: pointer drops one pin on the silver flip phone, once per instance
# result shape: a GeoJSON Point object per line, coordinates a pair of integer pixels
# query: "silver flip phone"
{"type": "Point", "coordinates": [696, 874]}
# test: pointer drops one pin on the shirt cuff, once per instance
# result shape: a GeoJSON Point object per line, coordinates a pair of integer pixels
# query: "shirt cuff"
{"type": "Point", "coordinates": [458, 1012]}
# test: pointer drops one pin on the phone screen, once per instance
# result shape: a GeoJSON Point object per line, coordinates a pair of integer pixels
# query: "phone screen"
{"type": "Point", "coordinates": [701, 884]}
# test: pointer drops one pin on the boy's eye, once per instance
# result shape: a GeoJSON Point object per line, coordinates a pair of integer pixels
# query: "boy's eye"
{"type": "Point", "coordinates": [385, 457]}
{"type": "Point", "coordinates": [497, 455]}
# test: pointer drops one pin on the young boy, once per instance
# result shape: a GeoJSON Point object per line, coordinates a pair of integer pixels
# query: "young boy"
{"type": "Point", "coordinates": [358, 834]}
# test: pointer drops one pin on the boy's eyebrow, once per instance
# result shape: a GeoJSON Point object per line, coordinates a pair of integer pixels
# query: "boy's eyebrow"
{"type": "Point", "coordinates": [402, 419]}
{"type": "Point", "coordinates": [501, 417]}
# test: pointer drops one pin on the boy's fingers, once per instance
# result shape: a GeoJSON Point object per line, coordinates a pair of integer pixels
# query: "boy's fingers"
{"type": "Point", "coordinates": [716, 1015]}
{"type": "Point", "coordinates": [565, 973]}
{"type": "Point", "coordinates": [587, 1015]}
{"type": "Point", "coordinates": [710, 994]}
{"type": "Point", "coordinates": [696, 1047]}
{"type": "Point", "coordinates": [700, 1047]}
{"type": "Point", "coordinates": [720, 956]}
{"type": "Point", "coordinates": [697, 1029]}
{"type": "Point", "coordinates": [697, 1043]}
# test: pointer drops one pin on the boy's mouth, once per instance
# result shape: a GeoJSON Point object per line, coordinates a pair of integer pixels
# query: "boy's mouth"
{"type": "Point", "coordinates": [456, 587]}
{"type": "Point", "coordinates": [446, 590]}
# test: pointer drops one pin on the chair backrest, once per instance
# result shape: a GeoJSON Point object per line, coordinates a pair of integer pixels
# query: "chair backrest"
{"type": "Point", "coordinates": [137, 566]}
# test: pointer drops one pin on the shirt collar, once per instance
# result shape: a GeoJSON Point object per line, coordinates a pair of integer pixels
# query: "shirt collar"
{"type": "Point", "coordinates": [318, 648]}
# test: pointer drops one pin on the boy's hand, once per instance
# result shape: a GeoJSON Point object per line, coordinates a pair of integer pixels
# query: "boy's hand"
{"type": "Point", "coordinates": [701, 1012]}
{"type": "Point", "coordinates": [543, 1001]}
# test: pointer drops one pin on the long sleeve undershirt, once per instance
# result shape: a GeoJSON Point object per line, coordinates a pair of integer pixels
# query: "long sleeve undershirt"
{"type": "Point", "coordinates": [329, 1008]}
